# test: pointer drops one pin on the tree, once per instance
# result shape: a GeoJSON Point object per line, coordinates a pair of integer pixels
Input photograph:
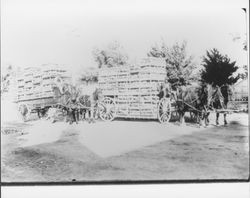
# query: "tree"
{"type": "Point", "coordinates": [244, 75]}
{"type": "Point", "coordinates": [88, 75]}
{"type": "Point", "coordinates": [180, 66]}
{"type": "Point", "coordinates": [218, 69]}
{"type": "Point", "coordinates": [111, 56]}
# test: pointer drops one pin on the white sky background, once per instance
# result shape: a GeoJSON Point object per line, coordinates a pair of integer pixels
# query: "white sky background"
{"type": "Point", "coordinates": [66, 31]}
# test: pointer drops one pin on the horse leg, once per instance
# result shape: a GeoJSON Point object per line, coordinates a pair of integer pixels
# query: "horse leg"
{"type": "Point", "coordinates": [84, 114]}
{"type": "Point", "coordinates": [75, 116]}
{"type": "Point", "coordinates": [206, 118]}
{"type": "Point", "coordinates": [182, 120]}
{"type": "Point", "coordinates": [225, 119]}
{"type": "Point", "coordinates": [191, 115]}
{"type": "Point", "coordinates": [89, 115]}
{"type": "Point", "coordinates": [39, 114]}
{"type": "Point", "coordinates": [92, 114]}
{"type": "Point", "coordinates": [200, 118]}
{"type": "Point", "coordinates": [65, 114]}
{"type": "Point", "coordinates": [70, 116]}
{"type": "Point", "coordinates": [80, 115]}
{"type": "Point", "coordinates": [217, 118]}
{"type": "Point", "coordinates": [52, 118]}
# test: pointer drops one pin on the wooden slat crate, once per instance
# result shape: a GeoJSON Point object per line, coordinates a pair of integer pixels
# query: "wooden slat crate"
{"type": "Point", "coordinates": [134, 87]}
{"type": "Point", "coordinates": [34, 85]}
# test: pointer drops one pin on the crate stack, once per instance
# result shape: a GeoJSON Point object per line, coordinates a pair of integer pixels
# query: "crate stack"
{"type": "Point", "coordinates": [36, 82]}
{"type": "Point", "coordinates": [134, 87]}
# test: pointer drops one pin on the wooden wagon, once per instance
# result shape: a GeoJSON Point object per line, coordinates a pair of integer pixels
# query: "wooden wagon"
{"type": "Point", "coordinates": [132, 91]}
{"type": "Point", "coordinates": [34, 88]}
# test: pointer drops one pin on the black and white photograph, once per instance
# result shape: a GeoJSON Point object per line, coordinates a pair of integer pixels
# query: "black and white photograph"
{"type": "Point", "coordinates": [124, 92]}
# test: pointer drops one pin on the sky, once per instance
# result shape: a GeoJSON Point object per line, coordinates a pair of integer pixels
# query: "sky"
{"type": "Point", "coordinates": [35, 32]}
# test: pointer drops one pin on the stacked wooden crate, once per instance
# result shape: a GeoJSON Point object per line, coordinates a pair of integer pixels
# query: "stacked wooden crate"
{"type": "Point", "coordinates": [36, 82]}
{"type": "Point", "coordinates": [134, 87]}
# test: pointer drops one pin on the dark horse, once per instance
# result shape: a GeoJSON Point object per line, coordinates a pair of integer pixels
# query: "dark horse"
{"type": "Point", "coordinates": [218, 99]}
{"type": "Point", "coordinates": [192, 99]}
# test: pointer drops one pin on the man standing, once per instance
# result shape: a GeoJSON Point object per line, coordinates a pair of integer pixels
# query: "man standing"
{"type": "Point", "coordinates": [73, 110]}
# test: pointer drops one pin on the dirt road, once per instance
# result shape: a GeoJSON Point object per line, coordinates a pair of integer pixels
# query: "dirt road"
{"type": "Point", "coordinates": [124, 150]}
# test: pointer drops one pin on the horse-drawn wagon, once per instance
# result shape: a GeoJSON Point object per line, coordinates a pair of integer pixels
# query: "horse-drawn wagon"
{"type": "Point", "coordinates": [142, 92]}
{"type": "Point", "coordinates": [48, 89]}
{"type": "Point", "coordinates": [34, 89]}
{"type": "Point", "coordinates": [129, 91]}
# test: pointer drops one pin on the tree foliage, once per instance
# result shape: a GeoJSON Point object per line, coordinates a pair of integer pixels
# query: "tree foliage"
{"type": "Point", "coordinates": [244, 75]}
{"type": "Point", "coordinates": [88, 76]}
{"type": "Point", "coordinates": [111, 56]}
{"type": "Point", "coordinates": [179, 65]}
{"type": "Point", "coordinates": [218, 69]}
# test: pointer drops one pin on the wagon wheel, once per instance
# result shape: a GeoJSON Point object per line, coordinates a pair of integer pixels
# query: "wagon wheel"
{"type": "Point", "coordinates": [107, 109]}
{"type": "Point", "coordinates": [164, 110]}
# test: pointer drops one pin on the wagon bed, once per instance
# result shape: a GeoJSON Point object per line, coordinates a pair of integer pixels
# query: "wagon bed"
{"type": "Point", "coordinates": [134, 88]}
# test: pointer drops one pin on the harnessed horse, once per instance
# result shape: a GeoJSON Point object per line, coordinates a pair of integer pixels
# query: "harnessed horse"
{"type": "Point", "coordinates": [192, 99]}
{"type": "Point", "coordinates": [218, 99]}
{"type": "Point", "coordinates": [67, 96]}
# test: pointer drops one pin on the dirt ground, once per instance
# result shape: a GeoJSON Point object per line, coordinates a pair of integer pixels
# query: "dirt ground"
{"type": "Point", "coordinates": [40, 151]}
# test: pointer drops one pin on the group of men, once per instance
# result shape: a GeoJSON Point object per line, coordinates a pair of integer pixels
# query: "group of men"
{"type": "Point", "coordinates": [82, 108]}
{"type": "Point", "coordinates": [77, 111]}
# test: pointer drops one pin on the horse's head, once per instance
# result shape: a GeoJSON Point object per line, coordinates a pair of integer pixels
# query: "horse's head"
{"type": "Point", "coordinates": [97, 94]}
{"type": "Point", "coordinates": [227, 92]}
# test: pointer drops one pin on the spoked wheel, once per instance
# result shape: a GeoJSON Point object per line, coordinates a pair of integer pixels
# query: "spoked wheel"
{"type": "Point", "coordinates": [107, 109]}
{"type": "Point", "coordinates": [164, 110]}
